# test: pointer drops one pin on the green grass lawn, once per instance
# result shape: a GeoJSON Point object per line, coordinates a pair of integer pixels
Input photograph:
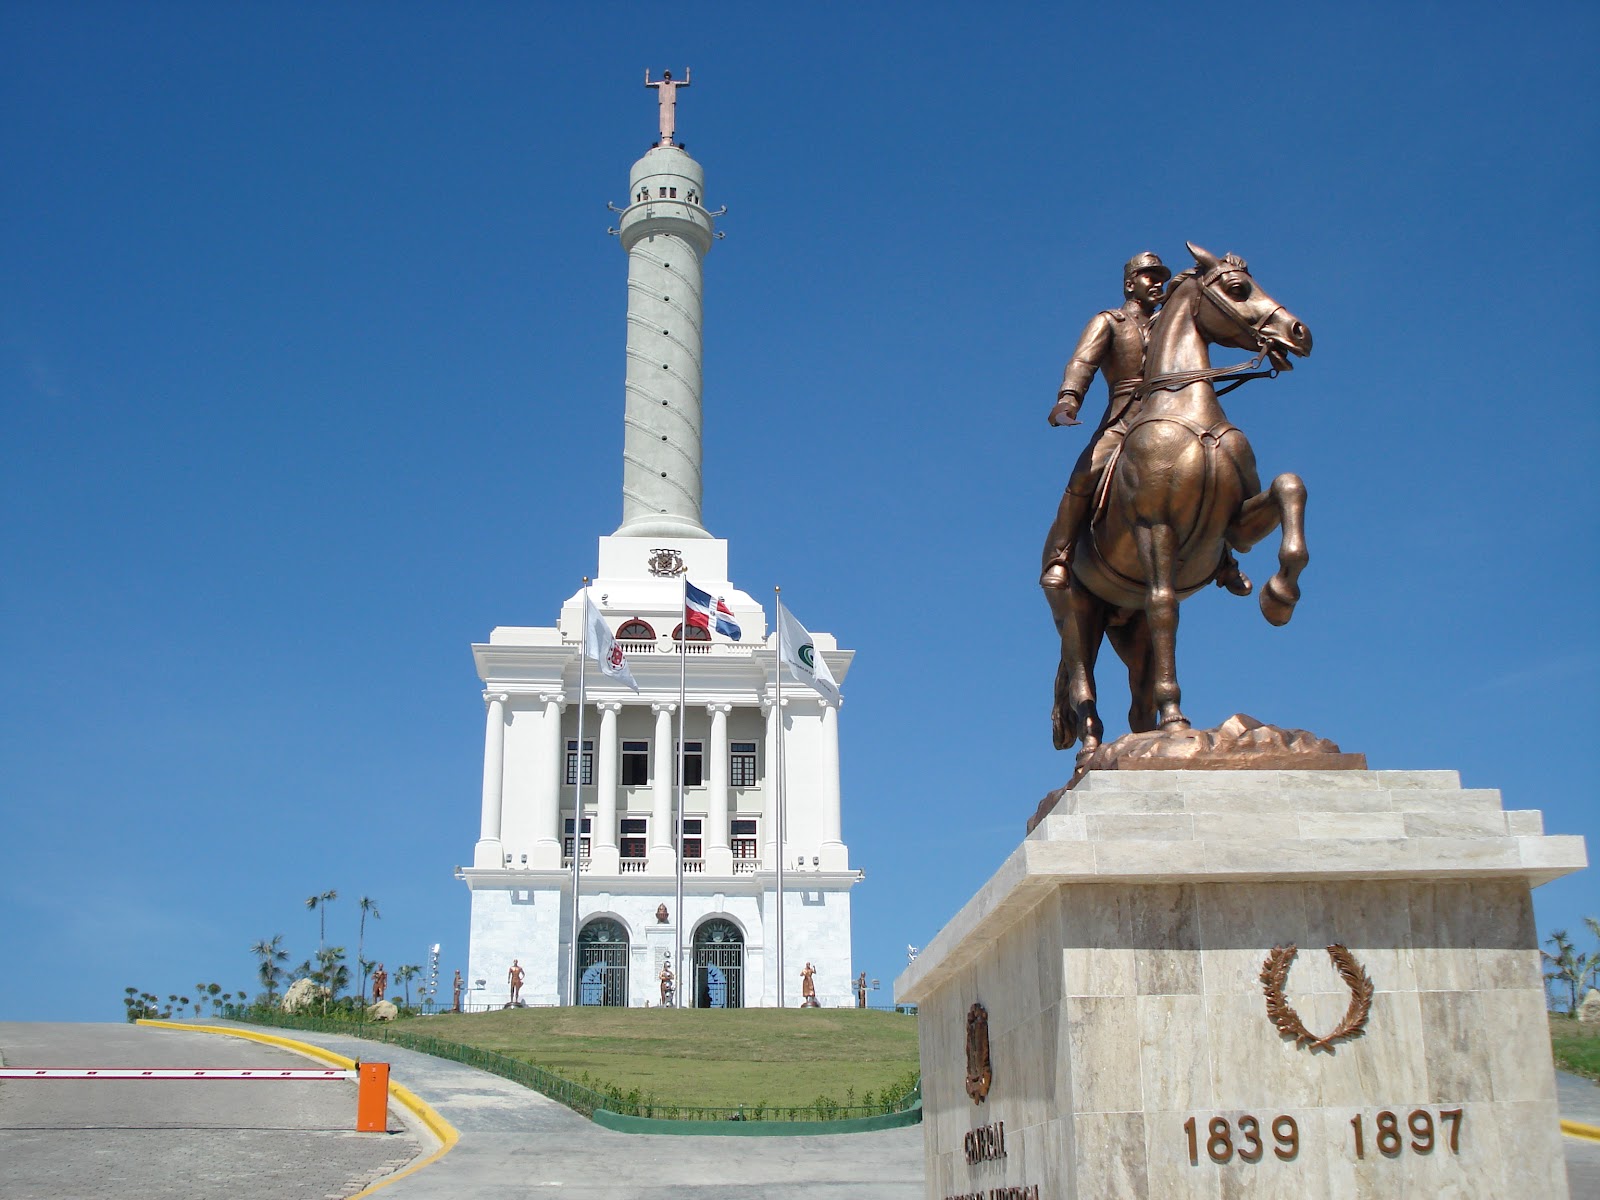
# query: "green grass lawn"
{"type": "Point", "coordinates": [1576, 1047]}
{"type": "Point", "coordinates": [713, 1058]}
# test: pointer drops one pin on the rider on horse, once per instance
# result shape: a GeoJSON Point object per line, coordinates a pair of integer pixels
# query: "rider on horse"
{"type": "Point", "coordinates": [1114, 344]}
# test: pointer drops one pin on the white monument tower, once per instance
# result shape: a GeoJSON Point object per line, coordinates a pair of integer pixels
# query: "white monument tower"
{"type": "Point", "coordinates": [610, 793]}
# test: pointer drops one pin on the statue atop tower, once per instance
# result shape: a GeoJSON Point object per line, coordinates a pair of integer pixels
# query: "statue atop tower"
{"type": "Point", "coordinates": [667, 93]}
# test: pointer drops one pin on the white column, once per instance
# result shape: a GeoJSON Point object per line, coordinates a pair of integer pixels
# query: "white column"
{"type": "Point", "coordinates": [547, 776]}
{"type": "Point", "coordinates": [715, 847]}
{"type": "Point", "coordinates": [662, 759]}
{"type": "Point", "coordinates": [604, 855]}
{"type": "Point", "coordinates": [490, 852]}
{"type": "Point", "coordinates": [833, 854]}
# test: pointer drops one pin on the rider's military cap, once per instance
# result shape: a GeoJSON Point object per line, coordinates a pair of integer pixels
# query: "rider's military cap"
{"type": "Point", "coordinates": [1145, 262]}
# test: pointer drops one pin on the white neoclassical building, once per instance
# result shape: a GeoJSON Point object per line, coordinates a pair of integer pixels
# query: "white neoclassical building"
{"type": "Point", "coordinates": [536, 765]}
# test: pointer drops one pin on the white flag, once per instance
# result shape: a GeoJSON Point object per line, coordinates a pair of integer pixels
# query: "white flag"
{"type": "Point", "coordinates": [796, 648]}
{"type": "Point", "coordinates": [602, 647]}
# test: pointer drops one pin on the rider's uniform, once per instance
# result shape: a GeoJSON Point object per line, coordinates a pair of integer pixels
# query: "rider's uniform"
{"type": "Point", "coordinates": [1114, 344]}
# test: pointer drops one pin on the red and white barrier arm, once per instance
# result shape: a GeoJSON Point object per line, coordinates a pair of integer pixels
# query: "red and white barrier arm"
{"type": "Point", "coordinates": [167, 1073]}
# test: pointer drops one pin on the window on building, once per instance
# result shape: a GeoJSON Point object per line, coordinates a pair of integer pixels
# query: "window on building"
{"type": "Point", "coordinates": [673, 192]}
{"type": "Point", "coordinates": [743, 830]}
{"type": "Point", "coordinates": [742, 764]}
{"type": "Point", "coordinates": [697, 633]}
{"type": "Point", "coordinates": [663, 195]}
{"type": "Point", "coordinates": [693, 764]}
{"type": "Point", "coordinates": [572, 761]}
{"type": "Point", "coordinates": [635, 630]}
{"type": "Point", "coordinates": [635, 764]}
{"type": "Point", "coordinates": [691, 837]}
{"type": "Point", "coordinates": [634, 830]}
{"type": "Point", "coordinates": [566, 843]}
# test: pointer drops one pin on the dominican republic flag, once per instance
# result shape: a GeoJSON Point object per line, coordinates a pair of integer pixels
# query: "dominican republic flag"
{"type": "Point", "coordinates": [699, 609]}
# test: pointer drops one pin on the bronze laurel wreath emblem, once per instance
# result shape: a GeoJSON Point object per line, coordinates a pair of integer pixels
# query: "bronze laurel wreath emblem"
{"type": "Point", "coordinates": [1275, 973]}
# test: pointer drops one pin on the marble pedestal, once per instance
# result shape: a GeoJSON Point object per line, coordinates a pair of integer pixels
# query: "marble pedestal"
{"type": "Point", "coordinates": [1119, 952]}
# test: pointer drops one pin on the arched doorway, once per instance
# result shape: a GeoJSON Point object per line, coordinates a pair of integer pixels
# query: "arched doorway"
{"type": "Point", "coordinates": [603, 964]}
{"type": "Point", "coordinates": [718, 965]}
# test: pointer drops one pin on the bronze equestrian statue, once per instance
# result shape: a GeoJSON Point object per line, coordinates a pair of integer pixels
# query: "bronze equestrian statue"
{"type": "Point", "coordinates": [1172, 484]}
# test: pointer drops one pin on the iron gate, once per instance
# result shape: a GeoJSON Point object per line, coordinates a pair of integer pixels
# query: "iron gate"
{"type": "Point", "coordinates": [718, 965]}
{"type": "Point", "coordinates": [603, 964]}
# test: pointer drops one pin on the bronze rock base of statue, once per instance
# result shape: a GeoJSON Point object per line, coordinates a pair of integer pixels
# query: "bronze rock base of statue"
{"type": "Point", "coordinates": [1240, 743]}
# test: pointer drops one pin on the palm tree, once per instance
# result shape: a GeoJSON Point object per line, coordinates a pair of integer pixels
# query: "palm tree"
{"type": "Point", "coordinates": [331, 974]}
{"type": "Point", "coordinates": [405, 975]}
{"type": "Point", "coordinates": [1568, 968]}
{"type": "Point", "coordinates": [272, 956]}
{"type": "Point", "coordinates": [319, 905]}
{"type": "Point", "coordinates": [368, 905]}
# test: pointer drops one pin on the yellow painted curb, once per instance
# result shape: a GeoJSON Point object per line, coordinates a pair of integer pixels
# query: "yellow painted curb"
{"type": "Point", "coordinates": [1578, 1129]}
{"type": "Point", "coordinates": [404, 1096]}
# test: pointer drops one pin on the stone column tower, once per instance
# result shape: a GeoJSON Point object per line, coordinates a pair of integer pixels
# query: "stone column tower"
{"type": "Point", "coordinates": [666, 231]}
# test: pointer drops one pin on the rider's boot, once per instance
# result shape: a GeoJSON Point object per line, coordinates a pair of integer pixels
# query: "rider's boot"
{"type": "Point", "coordinates": [1230, 576]}
{"type": "Point", "coordinates": [1063, 537]}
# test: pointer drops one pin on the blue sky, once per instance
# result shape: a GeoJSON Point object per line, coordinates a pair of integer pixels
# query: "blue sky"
{"type": "Point", "coordinates": [311, 367]}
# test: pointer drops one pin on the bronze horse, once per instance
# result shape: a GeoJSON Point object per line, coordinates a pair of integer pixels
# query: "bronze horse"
{"type": "Point", "coordinates": [1183, 484]}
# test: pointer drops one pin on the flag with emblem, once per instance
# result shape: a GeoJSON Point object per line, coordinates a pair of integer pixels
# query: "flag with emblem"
{"type": "Point", "coordinates": [602, 647]}
{"type": "Point", "coordinates": [796, 647]}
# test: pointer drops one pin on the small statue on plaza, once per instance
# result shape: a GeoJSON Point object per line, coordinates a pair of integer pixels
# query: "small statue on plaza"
{"type": "Point", "coordinates": [861, 990]}
{"type": "Point", "coordinates": [455, 1005]}
{"type": "Point", "coordinates": [514, 979]}
{"type": "Point", "coordinates": [808, 989]}
{"type": "Point", "coordinates": [380, 983]}
{"type": "Point", "coordinates": [667, 984]}
{"type": "Point", "coordinates": [1165, 492]}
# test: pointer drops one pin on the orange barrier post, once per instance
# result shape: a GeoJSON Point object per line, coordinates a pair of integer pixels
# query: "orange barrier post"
{"type": "Point", "coordinates": [372, 1097]}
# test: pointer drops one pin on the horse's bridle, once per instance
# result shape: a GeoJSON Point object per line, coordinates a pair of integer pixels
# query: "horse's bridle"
{"type": "Point", "coordinates": [1237, 375]}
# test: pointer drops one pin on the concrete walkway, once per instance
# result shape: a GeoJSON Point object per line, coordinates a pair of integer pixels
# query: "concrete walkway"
{"type": "Point", "coordinates": [517, 1142]}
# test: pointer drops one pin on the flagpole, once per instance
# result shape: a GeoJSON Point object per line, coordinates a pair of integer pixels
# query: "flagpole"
{"type": "Point", "coordinates": [683, 687]}
{"type": "Point", "coordinates": [777, 593]}
{"type": "Point", "coordinates": [577, 798]}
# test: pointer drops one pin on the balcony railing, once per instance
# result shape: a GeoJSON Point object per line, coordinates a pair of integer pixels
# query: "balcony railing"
{"type": "Point", "coordinates": [745, 866]}
{"type": "Point", "coordinates": [583, 867]}
{"type": "Point", "coordinates": [694, 866]}
{"type": "Point", "coordinates": [633, 866]}
{"type": "Point", "coordinates": [666, 645]}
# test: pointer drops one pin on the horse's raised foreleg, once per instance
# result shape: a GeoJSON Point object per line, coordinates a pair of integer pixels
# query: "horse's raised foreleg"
{"type": "Point", "coordinates": [1284, 503]}
{"type": "Point", "coordinates": [1080, 618]}
{"type": "Point", "coordinates": [1157, 545]}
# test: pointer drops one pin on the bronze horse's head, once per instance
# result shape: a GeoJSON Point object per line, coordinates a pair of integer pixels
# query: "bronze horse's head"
{"type": "Point", "coordinates": [1240, 314]}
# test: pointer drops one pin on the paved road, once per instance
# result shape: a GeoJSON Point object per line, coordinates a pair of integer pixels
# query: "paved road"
{"type": "Point", "coordinates": [178, 1141]}
{"type": "Point", "coordinates": [1580, 1101]}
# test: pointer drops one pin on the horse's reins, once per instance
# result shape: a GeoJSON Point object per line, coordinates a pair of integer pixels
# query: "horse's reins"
{"type": "Point", "coordinates": [1237, 375]}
